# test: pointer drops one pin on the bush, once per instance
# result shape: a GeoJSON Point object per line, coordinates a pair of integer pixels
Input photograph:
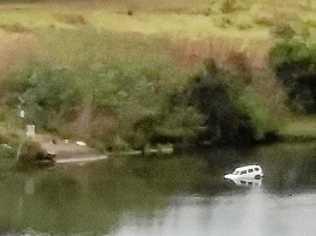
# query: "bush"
{"type": "Point", "coordinates": [32, 151]}
{"type": "Point", "coordinates": [290, 52]}
{"type": "Point", "coordinates": [180, 124]}
{"type": "Point", "coordinates": [244, 26]}
{"type": "Point", "coordinates": [7, 152]}
{"type": "Point", "coordinates": [283, 30]}
{"type": "Point", "coordinates": [72, 19]}
{"type": "Point", "coordinates": [228, 6]}
{"type": "Point", "coordinates": [259, 117]}
{"type": "Point", "coordinates": [50, 94]}
{"type": "Point", "coordinates": [231, 115]}
{"type": "Point", "coordinates": [294, 65]}
{"type": "Point", "coordinates": [264, 19]}
{"type": "Point", "coordinates": [15, 28]}
{"type": "Point", "coordinates": [223, 22]}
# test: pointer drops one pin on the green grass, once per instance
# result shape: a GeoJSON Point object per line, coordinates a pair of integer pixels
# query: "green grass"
{"type": "Point", "coordinates": [300, 127]}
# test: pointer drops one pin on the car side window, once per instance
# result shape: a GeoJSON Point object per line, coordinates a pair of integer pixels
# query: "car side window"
{"type": "Point", "coordinates": [256, 169]}
{"type": "Point", "coordinates": [243, 172]}
{"type": "Point", "coordinates": [250, 170]}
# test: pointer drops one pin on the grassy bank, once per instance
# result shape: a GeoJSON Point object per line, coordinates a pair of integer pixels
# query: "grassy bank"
{"type": "Point", "coordinates": [299, 129]}
{"type": "Point", "coordinates": [124, 103]}
{"type": "Point", "coordinates": [125, 75]}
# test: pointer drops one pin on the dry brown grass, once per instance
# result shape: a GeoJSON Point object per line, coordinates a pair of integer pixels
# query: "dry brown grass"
{"type": "Point", "coordinates": [15, 48]}
{"type": "Point", "coordinates": [15, 28]}
{"type": "Point", "coordinates": [162, 6]}
{"type": "Point", "coordinates": [190, 52]}
{"type": "Point", "coordinates": [72, 19]}
{"type": "Point", "coordinates": [188, 39]}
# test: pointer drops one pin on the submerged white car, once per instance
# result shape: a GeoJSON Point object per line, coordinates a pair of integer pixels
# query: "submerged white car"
{"type": "Point", "coordinates": [250, 172]}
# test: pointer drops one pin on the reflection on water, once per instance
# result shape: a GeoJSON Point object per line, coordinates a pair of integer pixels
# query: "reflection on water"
{"type": "Point", "coordinates": [245, 182]}
{"type": "Point", "coordinates": [253, 213]}
{"type": "Point", "coordinates": [178, 195]}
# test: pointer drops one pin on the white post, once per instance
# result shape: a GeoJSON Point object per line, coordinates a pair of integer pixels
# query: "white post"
{"type": "Point", "coordinates": [30, 131]}
{"type": "Point", "coordinates": [22, 114]}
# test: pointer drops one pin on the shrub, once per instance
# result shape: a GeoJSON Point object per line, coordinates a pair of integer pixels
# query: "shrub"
{"type": "Point", "coordinates": [51, 95]}
{"type": "Point", "coordinates": [15, 28]}
{"type": "Point", "coordinates": [228, 6]}
{"type": "Point", "coordinates": [294, 65]}
{"type": "Point", "coordinates": [260, 117]}
{"type": "Point", "coordinates": [283, 30]}
{"type": "Point", "coordinates": [223, 22]}
{"type": "Point", "coordinates": [7, 152]}
{"type": "Point", "coordinates": [244, 26]}
{"type": "Point", "coordinates": [264, 19]}
{"type": "Point", "coordinates": [180, 124]}
{"type": "Point", "coordinates": [72, 19]}
{"type": "Point", "coordinates": [32, 151]}
{"type": "Point", "coordinates": [229, 117]}
{"type": "Point", "coordinates": [290, 52]}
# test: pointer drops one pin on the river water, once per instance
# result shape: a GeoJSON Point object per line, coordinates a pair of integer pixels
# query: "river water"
{"type": "Point", "coordinates": [183, 194]}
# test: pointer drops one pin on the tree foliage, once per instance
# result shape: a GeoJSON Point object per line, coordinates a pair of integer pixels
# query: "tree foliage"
{"type": "Point", "coordinates": [294, 63]}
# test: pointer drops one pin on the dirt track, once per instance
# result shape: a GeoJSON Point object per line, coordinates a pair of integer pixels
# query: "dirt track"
{"type": "Point", "coordinates": [67, 152]}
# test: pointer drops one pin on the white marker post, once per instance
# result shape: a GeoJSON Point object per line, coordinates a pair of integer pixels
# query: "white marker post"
{"type": "Point", "coordinates": [30, 131]}
{"type": "Point", "coordinates": [22, 114]}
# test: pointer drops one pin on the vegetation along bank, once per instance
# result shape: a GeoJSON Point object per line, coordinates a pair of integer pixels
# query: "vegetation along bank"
{"type": "Point", "coordinates": [120, 79]}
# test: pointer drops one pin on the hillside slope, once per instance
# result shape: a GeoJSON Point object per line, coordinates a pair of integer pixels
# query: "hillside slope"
{"type": "Point", "coordinates": [195, 29]}
{"type": "Point", "coordinates": [121, 72]}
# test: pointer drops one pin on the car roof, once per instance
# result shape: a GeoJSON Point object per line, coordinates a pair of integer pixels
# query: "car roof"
{"type": "Point", "coordinates": [247, 167]}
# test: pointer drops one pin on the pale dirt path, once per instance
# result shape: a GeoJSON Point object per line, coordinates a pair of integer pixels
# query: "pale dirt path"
{"type": "Point", "coordinates": [67, 152]}
{"type": "Point", "coordinates": [81, 159]}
